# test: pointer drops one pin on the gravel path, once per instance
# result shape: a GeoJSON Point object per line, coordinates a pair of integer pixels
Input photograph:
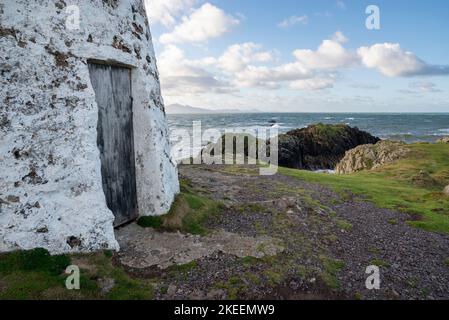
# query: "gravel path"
{"type": "Point", "coordinates": [329, 241]}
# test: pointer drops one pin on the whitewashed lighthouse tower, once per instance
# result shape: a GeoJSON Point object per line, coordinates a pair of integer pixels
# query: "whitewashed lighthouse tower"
{"type": "Point", "coordinates": [83, 134]}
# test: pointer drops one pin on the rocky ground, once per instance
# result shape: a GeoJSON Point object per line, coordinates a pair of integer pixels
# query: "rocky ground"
{"type": "Point", "coordinates": [283, 238]}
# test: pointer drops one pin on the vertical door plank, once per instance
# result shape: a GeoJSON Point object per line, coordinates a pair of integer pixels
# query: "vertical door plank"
{"type": "Point", "coordinates": [112, 86]}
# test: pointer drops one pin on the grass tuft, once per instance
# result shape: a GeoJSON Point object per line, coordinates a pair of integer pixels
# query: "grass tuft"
{"type": "Point", "coordinates": [38, 260]}
{"type": "Point", "coordinates": [379, 263]}
{"type": "Point", "coordinates": [188, 213]}
{"type": "Point", "coordinates": [331, 269]}
{"type": "Point", "coordinates": [150, 222]}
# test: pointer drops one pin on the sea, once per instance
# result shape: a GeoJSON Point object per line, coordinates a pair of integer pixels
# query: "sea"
{"type": "Point", "coordinates": [406, 127]}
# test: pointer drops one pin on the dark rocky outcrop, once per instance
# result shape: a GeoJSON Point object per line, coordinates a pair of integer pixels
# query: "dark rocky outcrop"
{"type": "Point", "coordinates": [320, 146]}
{"type": "Point", "coordinates": [317, 147]}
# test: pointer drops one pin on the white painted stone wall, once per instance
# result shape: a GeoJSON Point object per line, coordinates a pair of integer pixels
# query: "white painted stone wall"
{"type": "Point", "coordinates": [51, 192]}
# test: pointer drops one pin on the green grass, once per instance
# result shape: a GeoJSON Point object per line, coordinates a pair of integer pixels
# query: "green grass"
{"type": "Point", "coordinates": [234, 286]}
{"type": "Point", "coordinates": [343, 224]}
{"type": "Point", "coordinates": [331, 269]}
{"type": "Point", "coordinates": [249, 261]}
{"type": "Point", "coordinates": [155, 222]}
{"type": "Point", "coordinates": [379, 263]}
{"type": "Point", "coordinates": [188, 213]}
{"type": "Point", "coordinates": [394, 186]}
{"type": "Point", "coordinates": [35, 274]}
{"type": "Point", "coordinates": [329, 130]}
{"type": "Point", "coordinates": [183, 268]}
{"type": "Point", "coordinates": [274, 278]}
{"type": "Point", "coordinates": [37, 260]}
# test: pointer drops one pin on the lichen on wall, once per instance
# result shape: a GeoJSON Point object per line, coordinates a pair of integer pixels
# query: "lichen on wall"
{"type": "Point", "coordinates": [51, 193]}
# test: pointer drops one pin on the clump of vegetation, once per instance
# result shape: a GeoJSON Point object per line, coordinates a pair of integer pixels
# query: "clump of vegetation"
{"type": "Point", "coordinates": [188, 213]}
{"type": "Point", "coordinates": [26, 274]}
{"type": "Point", "coordinates": [155, 222]}
{"type": "Point", "coordinates": [249, 261]}
{"type": "Point", "coordinates": [234, 286]}
{"type": "Point", "coordinates": [394, 186]}
{"type": "Point", "coordinates": [393, 221]}
{"type": "Point", "coordinates": [358, 296]}
{"type": "Point", "coordinates": [35, 274]}
{"type": "Point", "coordinates": [331, 269]}
{"type": "Point", "coordinates": [249, 208]}
{"type": "Point", "coordinates": [183, 268]}
{"type": "Point", "coordinates": [344, 225]}
{"type": "Point", "coordinates": [274, 278]}
{"type": "Point", "coordinates": [37, 260]}
{"type": "Point", "coordinates": [379, 263]}
{"type": "Point", "coordinates": [329, 130]}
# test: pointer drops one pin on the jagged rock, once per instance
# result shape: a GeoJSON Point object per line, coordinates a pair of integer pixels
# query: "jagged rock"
{"type": "Point", "coordinates": [369, 156]}
{"type": "Point", "coordinates": [443, 140]}
{"type": "Point", "coordinates": [320, 146]}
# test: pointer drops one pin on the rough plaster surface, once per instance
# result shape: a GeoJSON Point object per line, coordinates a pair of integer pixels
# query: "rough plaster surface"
{"type": "Point", "coordinates": [144, 248]}
{"type": "Point", "coordinates": [51, 193]}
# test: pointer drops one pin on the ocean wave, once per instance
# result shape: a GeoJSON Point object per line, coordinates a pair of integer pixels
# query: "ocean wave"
{"type": "Point", "coordinates": [328, 171]}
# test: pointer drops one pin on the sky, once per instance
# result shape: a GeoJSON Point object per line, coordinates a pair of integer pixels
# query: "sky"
{"type": "Point", "coordinates": [303, 55]}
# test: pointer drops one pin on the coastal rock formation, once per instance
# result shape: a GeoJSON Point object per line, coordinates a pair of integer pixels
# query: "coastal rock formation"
{"type": "Point", "coordinates": [443, 140]}
{"type": "Point", "coordinates": [51, 192]}
{"type": "Point", "coordinates": [320, 146]}
{"type": "Point", "coordinates": [369, 156]}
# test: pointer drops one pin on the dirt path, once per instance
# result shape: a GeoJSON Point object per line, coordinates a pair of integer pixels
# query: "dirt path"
{"type": "Point", "coordinates": [328, 240]}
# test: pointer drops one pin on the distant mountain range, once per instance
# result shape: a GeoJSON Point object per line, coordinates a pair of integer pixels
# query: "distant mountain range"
{"type": "Point", "coordinates": [184, 109]}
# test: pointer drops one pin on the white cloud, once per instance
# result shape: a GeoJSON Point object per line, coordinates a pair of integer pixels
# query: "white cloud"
{"type": "Point", "coordinates": [311, 70]}
{"type": "Point", "coordinates": [294, 20]}
{"type": "Point", "coordinates": [364, 86]}
{"type": "Point", "coordinates": [165, 12]}
{"type": "Point", "coordinates": [329, 55]}
{"type": "Point", "coordinates": [421, 87]}
{"type": "Point", "coordinates": [390, 60]}
{"type": "Point", "coordinates": [180, 75]}
{"type": "Point", "coordinates": [339, 37]}
{"type": "Point", "coordinates": [299, 77]}
{"type": "Point", "coordinates": [256, 76]}
{"type": "Point", "coordinates": [248, 65]}
{"type": "Point", "coordinates": [312, 84]}
{"type": "Point", "coordinates": [204, 23]}
{"type": "Point", "coordinates": [238, 56]}
{"type": "Point", "coordinates": [424, 86]}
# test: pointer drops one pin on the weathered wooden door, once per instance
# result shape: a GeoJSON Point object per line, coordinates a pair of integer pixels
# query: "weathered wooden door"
{"type": "Point", "coordinates": [112, 86]}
